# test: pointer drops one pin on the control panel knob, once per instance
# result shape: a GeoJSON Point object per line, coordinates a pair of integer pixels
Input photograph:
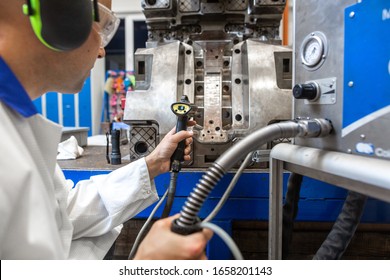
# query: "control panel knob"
{"type": "Point", "coordinates": [306, 91]}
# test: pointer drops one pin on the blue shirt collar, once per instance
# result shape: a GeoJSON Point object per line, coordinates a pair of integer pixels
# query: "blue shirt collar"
{"type": "Point", "coordinates": [13, 94]}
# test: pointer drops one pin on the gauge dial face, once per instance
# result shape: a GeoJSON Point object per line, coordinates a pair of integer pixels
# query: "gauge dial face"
{"type": "Point", "coordinates": [312, 53]}
{"type": "Point", "coordinates": [312, 50]}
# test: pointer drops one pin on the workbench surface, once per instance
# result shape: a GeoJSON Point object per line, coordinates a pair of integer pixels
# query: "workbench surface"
{"type": "Point", "coordinates": [94, 158]}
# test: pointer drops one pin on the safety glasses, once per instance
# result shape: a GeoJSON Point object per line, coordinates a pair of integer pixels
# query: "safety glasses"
{"type": "Point", "coordinates": [106, 21]}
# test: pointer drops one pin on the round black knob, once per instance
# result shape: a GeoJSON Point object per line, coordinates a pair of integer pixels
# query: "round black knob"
{"type": "Point", "coordinates": [305, 91]}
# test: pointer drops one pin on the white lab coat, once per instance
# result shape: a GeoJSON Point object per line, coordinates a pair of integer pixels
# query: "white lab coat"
{"type": "Point", "coordinates": [42, 216]}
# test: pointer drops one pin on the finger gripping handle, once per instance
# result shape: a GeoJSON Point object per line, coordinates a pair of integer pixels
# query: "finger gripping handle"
{"type": "Point", "coordinates": [179, 152]}
{"type": "Point", "coordinates": [185, 230]}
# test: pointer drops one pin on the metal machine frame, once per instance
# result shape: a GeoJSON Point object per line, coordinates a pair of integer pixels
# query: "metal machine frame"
{"type": "Point", "coordinates": [329, 41]}
{"type": "Point", "coordinates": [368, 176]}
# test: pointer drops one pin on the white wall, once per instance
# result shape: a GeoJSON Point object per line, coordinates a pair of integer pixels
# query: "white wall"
{"type": "Point", "coordinates": [126, 6]}
{"type": "Point", "coordinates": [124, 9]}
{"type": "Point", "coordinates": [98, 77]}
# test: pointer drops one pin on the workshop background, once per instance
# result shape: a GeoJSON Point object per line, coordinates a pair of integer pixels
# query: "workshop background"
{"type": "Point", "coordinates": [320, 203]}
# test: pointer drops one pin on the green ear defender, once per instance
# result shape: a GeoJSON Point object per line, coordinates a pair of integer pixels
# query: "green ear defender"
{"type": "Point", "coordinates": [61, 25]}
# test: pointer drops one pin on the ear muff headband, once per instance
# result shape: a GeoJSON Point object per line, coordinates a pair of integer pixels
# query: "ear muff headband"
{"type": "Point", "coordinates": [61, 25]}
{"type": "Point", "coordinates": [32, 9]}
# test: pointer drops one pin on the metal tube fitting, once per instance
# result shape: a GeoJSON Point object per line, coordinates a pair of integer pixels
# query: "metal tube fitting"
{"type": "Point", "coordinates": [314, 127]}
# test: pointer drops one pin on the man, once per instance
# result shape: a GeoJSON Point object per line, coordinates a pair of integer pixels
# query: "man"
{"type": "Point", "coordinates": [42, 216]}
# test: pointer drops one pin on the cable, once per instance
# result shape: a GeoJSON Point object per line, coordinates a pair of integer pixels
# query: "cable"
{"type": "Point", "coordinates": [225, 237]}
{"type": "Point", "coordinates": [343, 229]}
{"type": "Point", "coordinates": [144, 227]}
{"type": "Point", "coordinates": [171, 194]}
{"type": "Point", "coordinates": [229, 188]}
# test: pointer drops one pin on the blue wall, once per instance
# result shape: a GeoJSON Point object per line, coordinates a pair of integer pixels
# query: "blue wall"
{"type": "Point", "coordinates": [71, 113]}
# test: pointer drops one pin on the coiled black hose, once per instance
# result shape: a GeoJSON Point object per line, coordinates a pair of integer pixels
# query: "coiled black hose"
{"type": "Point", "coordinates": [343, 229]}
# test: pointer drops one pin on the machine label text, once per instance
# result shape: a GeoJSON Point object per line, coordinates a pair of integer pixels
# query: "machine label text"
{"type": "Point", "coordinates": [385, 14]}
{"type": "Point", "coordinates": [382, 153]}
{"type": "Point", "coordinates": [369, 149]}
{"type": "Point", "coordinates": [365, 148]}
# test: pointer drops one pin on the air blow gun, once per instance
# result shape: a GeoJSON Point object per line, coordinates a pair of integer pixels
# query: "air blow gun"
{"type": "Point", "coordinates": [182, 109]}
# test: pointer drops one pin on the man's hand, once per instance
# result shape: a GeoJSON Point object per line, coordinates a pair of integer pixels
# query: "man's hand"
{"type": "Point", "coordinates": [163, 244]}
{"type": "Point", "coordinates": [158, 161]}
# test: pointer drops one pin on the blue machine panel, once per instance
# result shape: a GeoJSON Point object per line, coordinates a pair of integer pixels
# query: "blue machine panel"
{"type": "Point", "coordinates": [366, 59]}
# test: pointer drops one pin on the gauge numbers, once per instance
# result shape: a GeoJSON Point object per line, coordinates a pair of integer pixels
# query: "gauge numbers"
{"type": "Point", "coordinates": [313, 50]}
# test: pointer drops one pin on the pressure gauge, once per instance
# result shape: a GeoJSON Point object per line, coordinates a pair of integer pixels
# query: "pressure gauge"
{"type": "Point", "coordinates": [313, 50]}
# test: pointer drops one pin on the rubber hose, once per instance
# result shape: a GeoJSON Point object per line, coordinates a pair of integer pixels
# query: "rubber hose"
{"type": "Point", "coordinates": [290, 210]}
{"type": "Point", "coordinates": [215, 172]}
{"type": "Point", "coordinates": [343, 229]}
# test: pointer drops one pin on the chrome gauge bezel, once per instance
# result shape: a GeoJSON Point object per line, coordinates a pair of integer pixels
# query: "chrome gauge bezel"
{"type": "Point", "coordinates": [320, 39]}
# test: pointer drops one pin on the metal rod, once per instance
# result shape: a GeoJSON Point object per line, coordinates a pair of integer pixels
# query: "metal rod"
{"type": "Point", "coordinates": [369, 176]}
{"type": "Point", "coordinates": [275, 210]}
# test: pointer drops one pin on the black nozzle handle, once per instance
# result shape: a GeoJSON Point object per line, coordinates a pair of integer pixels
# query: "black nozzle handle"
{"type": "Point", "coordinates": [178, 155]}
